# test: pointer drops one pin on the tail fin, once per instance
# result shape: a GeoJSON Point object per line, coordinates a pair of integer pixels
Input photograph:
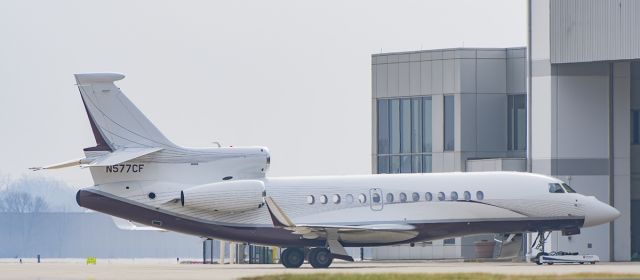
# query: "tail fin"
{"type": "Point", "coordinates": [115, 121]}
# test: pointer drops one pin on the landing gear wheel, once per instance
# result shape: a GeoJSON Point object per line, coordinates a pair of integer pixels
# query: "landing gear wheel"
{"type": "Point", "coordinates": [292, 257]}
{"type": "Point", "coordinates": [320, 258]}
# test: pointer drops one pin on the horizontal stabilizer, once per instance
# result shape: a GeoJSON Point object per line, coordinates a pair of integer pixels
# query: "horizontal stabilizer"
{"type": "Point", "coordinates": [73, 162]}
{"type": "Point", "coordinates": [108, 159]}
{"type": "Point", "coordinates": [121, 156]}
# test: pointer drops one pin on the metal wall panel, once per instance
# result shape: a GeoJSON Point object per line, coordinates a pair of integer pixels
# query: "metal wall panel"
{"type": "Point", "coordinates": [594, 30]}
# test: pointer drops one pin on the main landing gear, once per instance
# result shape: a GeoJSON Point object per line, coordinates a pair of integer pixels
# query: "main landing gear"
{"type": "Point", "coordinates": [318, 257]}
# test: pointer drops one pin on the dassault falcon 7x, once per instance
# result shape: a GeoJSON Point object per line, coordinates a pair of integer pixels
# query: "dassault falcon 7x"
{"type": "Point", "coordinates": [224, 193]}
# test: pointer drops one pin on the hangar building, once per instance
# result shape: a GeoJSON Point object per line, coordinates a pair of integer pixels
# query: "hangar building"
{"type": "Point", "coordinates": [567, 105]}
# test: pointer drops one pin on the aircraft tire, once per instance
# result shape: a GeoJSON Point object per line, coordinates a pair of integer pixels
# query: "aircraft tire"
{"type": "Point", "coordinates": [320, 258]}
{"type": "Point", "coordinates": [292, 257]}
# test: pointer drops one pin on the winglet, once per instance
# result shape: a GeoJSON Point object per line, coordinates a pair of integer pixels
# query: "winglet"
{"type": "Point", "coordinates": [278, 216]}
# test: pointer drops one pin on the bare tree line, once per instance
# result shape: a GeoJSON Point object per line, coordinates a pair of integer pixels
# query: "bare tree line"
{"type": "Point", "coordinates": [21, 202]}
{"type": "Point", "coordinates": [33, 194]}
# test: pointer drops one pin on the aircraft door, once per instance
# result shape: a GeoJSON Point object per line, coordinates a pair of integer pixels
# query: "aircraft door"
{"type": "Point", "coordinates": [375, 199]}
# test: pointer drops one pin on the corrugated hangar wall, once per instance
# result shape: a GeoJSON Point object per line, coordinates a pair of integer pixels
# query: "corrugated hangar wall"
{"type": "Point", "coordinates": [594, 30]}
{"type": "Point", "coordinates": [79, 235]}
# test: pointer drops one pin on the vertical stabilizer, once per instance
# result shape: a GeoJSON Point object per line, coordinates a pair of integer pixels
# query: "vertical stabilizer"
{"type": "Point", "coordinates": [115, 121]}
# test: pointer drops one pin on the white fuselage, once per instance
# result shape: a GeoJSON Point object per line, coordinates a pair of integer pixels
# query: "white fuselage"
{"type": "Point", "coordinates": [510, 198]}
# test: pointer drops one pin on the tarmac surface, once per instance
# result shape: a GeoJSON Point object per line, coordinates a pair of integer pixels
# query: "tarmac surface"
{"type": "Point", "coordinates": [164, 270]}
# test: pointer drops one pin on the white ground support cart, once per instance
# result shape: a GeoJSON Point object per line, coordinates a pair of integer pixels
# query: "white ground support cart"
{"type": "Point", "coordinates": [564, 257]}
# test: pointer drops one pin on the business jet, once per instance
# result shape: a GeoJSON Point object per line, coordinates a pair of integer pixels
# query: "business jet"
{"type": "Point", "coordinates": [224, 193]}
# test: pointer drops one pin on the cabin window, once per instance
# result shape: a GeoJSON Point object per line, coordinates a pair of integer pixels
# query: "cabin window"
{"type": "Point", "coordinates": [415, 197]}
{"type": "Point", "coordinates": [362, 198]}
{"type": "Point", "coordinates": [441, 196]}
{"type": "Point", "coordinates": [310, 199]}
{"type": "Point", "coordinates": [403, 197]}
{"type": "Point", "coordinates": [323, 199]}
{"type": "Point", "coordinates": [389, 198]}
{"type": "Point", "coordinates": [336, 199]}
{"type": "Point", "coordinates": [555, 188]}
{"type": "Point", "coordinates": [450, 241]}
{"type": "Point", "coordinates": [375, 197]}
{"type": "Point", "coordinates": [428, 196]}
{"type": "Point", "coordinates": [479, 195]}
{"type": "Point", "coordinates": [454, 195]}
{"type": "Point", "coordinates": [467, 195]}
{"type": "Point", "coordinates": [567, 188]}
{"type": "Point", "coordinates": [152, 195]}
{"type": "Point", "coordinates": [349, 198]}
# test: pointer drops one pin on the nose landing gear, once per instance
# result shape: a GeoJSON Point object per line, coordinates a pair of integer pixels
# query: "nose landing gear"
{"type": "Point", "coordinates": [538, 244]}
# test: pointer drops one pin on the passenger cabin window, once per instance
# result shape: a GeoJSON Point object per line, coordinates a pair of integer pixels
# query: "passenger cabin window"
{"type": "Point", "coordinates": [479, 195]}
{"type": "Point", "coordinates": [362, 198]}
{"type": "Point", "coordinates": [467, 195]}
{"type": "Point", "coordinates": [415, 196]}
{"type": "Point", "coordinates": [336, 198]}
{"type": "Point", "coordinates": [555, 188]}
{"type": "Point", "coordinates": [323, 199]}
{"type": "Point", "coordinates": [310, 199]}
{"type": "Point", "coordinates": [349, 198]}
{"type": "Point", "coordinates": [428, 196]}
{"type": "Point", "coordinates": [403, 197]}
{"type": "Point", "coordinates": [389, 197]}
{"type": "Point", "coordinates": [441, 196]}
{"type": "Point", "coordinates": [568, 189]}
{"type": "Point", "coordinates": [454, 195]}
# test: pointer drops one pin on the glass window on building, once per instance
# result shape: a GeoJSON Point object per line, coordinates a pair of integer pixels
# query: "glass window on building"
{"type": "Point", "coordinates": [405, 125]}
{"type": "Point", "coordinates": [426, 164]}
{"type": "Point", "coordinates": [383, 164]}
{"type": "Point", "coordinates": [449, 123]}
{"type": "Point", "coordinates": [383, 126]}
{"type": "Point", "coordinates": [517, 122]}
{"type": "Point", "coordinates": [635, 127]}
{"type": "Point", "coordinates": [395, 164]}
{"type": "Point", "coordinates": [416, 164]}
{"type": "Point", "coordinates": [416, 125]}
{"type": "Point", "coordinates": [405, 164]}
{"type": "Point", "coordinates": [427, 141]}
{"type": "Point", "coordinates": [394, 125]}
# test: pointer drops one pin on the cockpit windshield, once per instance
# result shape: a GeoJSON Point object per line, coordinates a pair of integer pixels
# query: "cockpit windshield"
{"type": "Point", "coordinates": [560, 188]}
{"type": "Point", "coordinates": [555, 188]}
{"type": "Point", "coordinates": [567, 188]}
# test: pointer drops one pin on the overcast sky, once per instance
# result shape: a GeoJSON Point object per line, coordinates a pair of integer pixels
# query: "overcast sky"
{"type": "Point", "coordinates": [294, 76]}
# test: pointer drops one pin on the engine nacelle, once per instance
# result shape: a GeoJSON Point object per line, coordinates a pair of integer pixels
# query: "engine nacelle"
{"type": "Point", "coordinates": [234, 196]}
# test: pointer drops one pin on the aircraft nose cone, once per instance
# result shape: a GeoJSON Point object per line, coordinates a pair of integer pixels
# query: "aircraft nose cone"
{"type": "Point", "coordinates": [598, 212]}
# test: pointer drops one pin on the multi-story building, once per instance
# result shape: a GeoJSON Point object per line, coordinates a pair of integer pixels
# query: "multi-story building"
{"type": "Point", "coordinates": [568, 106]}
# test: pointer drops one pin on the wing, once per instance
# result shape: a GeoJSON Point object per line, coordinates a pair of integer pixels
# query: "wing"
{"type": "Point", "coordinates": [336, 233]}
